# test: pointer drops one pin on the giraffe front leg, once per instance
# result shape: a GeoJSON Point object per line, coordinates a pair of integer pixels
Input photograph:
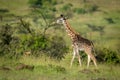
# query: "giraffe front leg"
{"type": "Point", "coordinates": [73, 57]}
{"type": "Point", "coordinates": [79, 58]}
{"type": "Point", "coordinates": [88, 61]}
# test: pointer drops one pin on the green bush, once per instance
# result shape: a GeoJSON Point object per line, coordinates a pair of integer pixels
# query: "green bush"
{"type": "Point", "coordinates": [51, 46]}
{"type": "Point", "coordinates": [91, 8]}
{"type": "Point", "coordinates": [35, 3]}
{"type": "Point", "coordinates": [41, 3]}
{"type": "Point", "coordinates": [15, 46]}
{"type": "Point", "coordinates": [4, 10]}
{"type": "Point", "coordinates": [5, 38]}
{"type": "Point", "coordinates": [79, 10]}
{"type": "Point", "coordinates": [108, 56]}
{"type": "Point", "coordinates": [111, 57]}
{"type": "Point", "coordinates": [66, 7]}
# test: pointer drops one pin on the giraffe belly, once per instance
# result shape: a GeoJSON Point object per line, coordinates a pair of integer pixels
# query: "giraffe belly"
{"type": "Point", "coordinates": [79, 46]}
{"type": "Point", "coordinates": [81, 49]}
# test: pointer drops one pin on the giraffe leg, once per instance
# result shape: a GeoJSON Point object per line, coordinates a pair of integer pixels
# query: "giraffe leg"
{"type": "Point", "coordinates": [74, 54]}
{"type": "Point", "coordinates": [79, 58]}
{"type": "Point", "coordinates": [94, 60]}
{"type": "Point", "coordinates": [88, 61]}
{"type": "Point", "coordinates": [90, 55]}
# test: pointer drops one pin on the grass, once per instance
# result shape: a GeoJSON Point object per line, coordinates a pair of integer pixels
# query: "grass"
{"type": "Point", "coordinates": [18, 7]}
{"type": "Point", "coordinates": [53, 70]}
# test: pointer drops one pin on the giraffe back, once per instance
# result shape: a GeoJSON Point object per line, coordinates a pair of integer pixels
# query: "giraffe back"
{"type": "Point", "coordinates": [81, 42]}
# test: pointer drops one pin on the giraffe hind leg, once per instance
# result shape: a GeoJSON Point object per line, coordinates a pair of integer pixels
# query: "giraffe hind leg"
{"type": "Point", "coordinates": [90, 55]}
{"type": "Point", "coordinates": [93, 59]}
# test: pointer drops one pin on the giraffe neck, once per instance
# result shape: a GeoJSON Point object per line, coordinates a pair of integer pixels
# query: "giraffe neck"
{"type": "Point", "coordinates": [69, 30]}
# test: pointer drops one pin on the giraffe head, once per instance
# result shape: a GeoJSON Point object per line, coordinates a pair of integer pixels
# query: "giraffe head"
{"type": "Point", "coordinates": [61, 19]}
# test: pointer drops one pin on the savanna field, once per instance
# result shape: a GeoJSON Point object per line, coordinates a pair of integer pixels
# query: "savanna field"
{"type": "Point", "coordinates": [34, 47]}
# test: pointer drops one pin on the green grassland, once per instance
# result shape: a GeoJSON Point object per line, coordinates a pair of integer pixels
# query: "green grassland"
{"type": "Point", "coordinates": [45, 68]}
{"type": "Point", "coordinates": [53, 70]}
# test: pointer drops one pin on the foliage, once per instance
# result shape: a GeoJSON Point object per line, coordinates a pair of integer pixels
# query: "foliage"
{"type": "Point", "coordinates": [5, 38]}
{"type": "Point", "coordinates": [45, 8]}
{"type": "Point", "coordinates": [57, 47]}
{"type": "Point", "coordinates": [79, 10]}
{"type": "Point", "coordinates": [100, 29]}
{"type": "Point", "coordinates": [108, 56]}
{"type": "Point", "coordinates": [42, 3]}
{"type": "Point", "coordinates": [91, 8]}
{"type": "Point", "coordinates": [111, 57]}
{"type": "Point", "coordinates": [4, 10]}
{"type": "Point", "coordinates": [109, 20]}
{"type": "Point", "coordinates": [66, 7]}
{"type": "Point", "coordinates": [6, 34]}
{"type": "Point", "coordinates": [53, 47]}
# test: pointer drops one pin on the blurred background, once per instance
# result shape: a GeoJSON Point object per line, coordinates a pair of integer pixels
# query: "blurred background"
{"type": "Point", "coordinates": [28, 30]}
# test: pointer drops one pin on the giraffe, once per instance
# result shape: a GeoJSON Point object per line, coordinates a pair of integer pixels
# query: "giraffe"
{"type": "Point", "coordinates": [78, 43]}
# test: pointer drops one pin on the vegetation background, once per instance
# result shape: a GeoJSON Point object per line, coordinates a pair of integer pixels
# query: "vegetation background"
{"type": "Point", "coordinates": [33, 47]}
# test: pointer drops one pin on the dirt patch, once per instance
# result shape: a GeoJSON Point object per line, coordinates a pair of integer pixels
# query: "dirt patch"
{"type": "Point", "coordinates": [19, 66]}
{"type": "Point", "coordinates": [22, 66]}
{"type": "Point", "coordinates": [99, 79]}
{"type": "Point", "coordinates": [5, 68]}
{"type": "Point", "coordinates": [88, 71]}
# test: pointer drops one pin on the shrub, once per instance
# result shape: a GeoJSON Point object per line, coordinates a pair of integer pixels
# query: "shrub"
{"type": "Point", "coordinates": [91, 8]}
{"type": "Point", "coordinates": [108, 56]}
{"type": "Point", "coordinates": [41, 3]}
{"type": "Point", "coordinates": [14, 46]}
{"type": "Point", "coordinates": [5, 38]}
{"type": "Point", "coordinates": [109, 20]}
{"type": "Point", "coordinates": [4, 10]}
{"type": "Point", "coordinates": [51, 46]}
{"type": "Point", "coordinates": [35, 3]}
{"type": "Point", "coordinates": [66, 7]}
{"type": "Point", "coordinates": [79, 10]}
{"type": "Point", "coordinates": [111, 57]}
